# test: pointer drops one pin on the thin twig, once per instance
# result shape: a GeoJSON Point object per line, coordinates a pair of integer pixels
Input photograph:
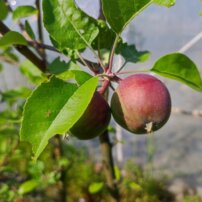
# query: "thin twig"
{"type": "Point", "coordinates": [123, 65]}
{"type": "Point", "coordinates": [24, 50]}
{"type": "Point", "coordinates": [40, 30]}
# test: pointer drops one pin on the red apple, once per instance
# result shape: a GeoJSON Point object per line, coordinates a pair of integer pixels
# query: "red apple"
{"type": "Point", "coordinates": [141, 103]}
{"type": "Point", "coordinates": [94, 120]}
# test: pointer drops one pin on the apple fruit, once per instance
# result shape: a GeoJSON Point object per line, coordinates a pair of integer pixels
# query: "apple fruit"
{"type": "Point", "coordinates": [94, 120]}
{"type": "Point", "coordinates": [141, 103]}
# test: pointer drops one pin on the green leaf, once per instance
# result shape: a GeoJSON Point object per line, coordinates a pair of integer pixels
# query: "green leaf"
{"type": "Point", "coordinates": [119, 12]}
{"type": "Point", "coordinates": [28, 186]}
{"type": "Point", "coordinates": [58, 66]}
{"type": "Point", "coordinates": [53, 108]}
{"type": "Point", "coordinates": [167, 3]}
{"type": "Point", "coordinates": [11, 96]}
{"type": "Point", "coordinates": [135, 186]}
{"type": "Point", "coordinates": [117, 173]}
{"type": "Point", "coordinates": [3, 9]}
{"type": "Point", "coordinates": [105, 38]}
{"type": "Point", "coordinates": [28, 69]}
{"type": "Point", "coordinates": [24, 11]}
{"type": "Point", "coordinates": [12, 38]}
{"type": "Point", "coordinates": [81, 77]}
{"type": "Point", "coordinates": [70, 27]}
{"type": "Point", "coordinates": [131, 54]}
{"type": "Point", "coordinates": [9, 55]}
{"type": "Point", "coordinates": [29, 30]}
{"type": "Point", "coordinates": [95, 187]}
{"type": "Point", "coordinates": [179, 67]}
{"type": "Point", "coordinates": [68, 71]}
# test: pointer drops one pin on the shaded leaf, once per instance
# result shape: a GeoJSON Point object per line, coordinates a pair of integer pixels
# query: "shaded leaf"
{"type": "Point", "coordinates": [53, 108]}
{"type": "Point", "coordinates": [179, 67]}
{"type": "Point", "coordinates": [68, 71]}
{"type": "Point", "coordinates": [12, 38]}
{"type": "Point", "coordinates": [29, 30]}
{"type": "Point", "coordinates": [24, 11]}
{"type": "Point", "coordinates": [131, 54]}
{"type": "Point", "coordinates": [57, 66]}
{"type": "Point", "coordinates": [69, 26]}
{"type": "Point", "coordinates": [3, 9]}
{"type": "Point", "coordinates": [105, 38]}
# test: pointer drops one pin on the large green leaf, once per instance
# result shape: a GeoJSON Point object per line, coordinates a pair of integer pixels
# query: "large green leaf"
{"type": "Point", "coordinates": [179, 67]}
{"type": "Point", "coordinates": [3, 9]}
{"type": "Point", "coordinates": [24, 11]}
{"type": "Point", "coordinates": [70, 27]}
{"type": "Point", "coordinates": [120, 12]}
{"type": "Point", "coordinates": [12, 38]}
{"type": "Point", "coordinates": [131, 54]}
{"type": "Point", "coordinates": [53, 108]}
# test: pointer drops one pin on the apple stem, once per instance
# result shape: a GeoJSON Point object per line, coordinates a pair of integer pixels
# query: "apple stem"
{"type": "Point", "coordinates": [111, 58]}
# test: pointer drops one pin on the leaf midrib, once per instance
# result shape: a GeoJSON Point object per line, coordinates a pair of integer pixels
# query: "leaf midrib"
{"type": "Point", "coordinates": [77, 31]}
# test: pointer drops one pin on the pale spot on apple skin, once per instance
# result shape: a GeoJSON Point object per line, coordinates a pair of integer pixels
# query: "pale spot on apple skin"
{"type": "Point", "coordinates": [149, 127]}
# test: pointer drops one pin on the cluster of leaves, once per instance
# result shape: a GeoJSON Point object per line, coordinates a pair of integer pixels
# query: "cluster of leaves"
{"type": "Point", "coordinates": [72, 31]}
{"type": "Point", "coordinates": [57, 104]}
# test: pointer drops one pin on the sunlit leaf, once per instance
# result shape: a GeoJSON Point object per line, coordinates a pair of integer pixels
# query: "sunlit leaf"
{"type": "Point", "coordinates": [95, 187]}
{"type": "Point", "coordinates": [167, 3]}
{"type": "Point", "coordinates": [24, 11]}
{"type": "Point", "coordinates": [119, 12]}
{"type": "Point", "coordinates": [28, 186]}
{"type": "Point", "coordinates": [70, 27]}
{"type": "Point", "coordinates": [53, 108]}
{"type": "Point", "coordinates": [179, 67]}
